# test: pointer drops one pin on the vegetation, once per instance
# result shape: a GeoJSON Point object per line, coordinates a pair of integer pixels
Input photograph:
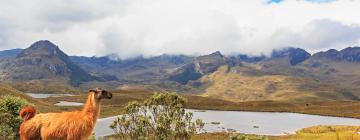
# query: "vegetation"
{"type": "Point", "coordinates": [325, 133]}
{"type": "Point", "coordinates": [41, 105]}
{"type": "Point", "coordinates": [161, 117]}
{"type": "Point", "coordinates": [46, 86]}
{"type": "Point", "coordinates": [122, 97]}
{"type": "Point", "coordinates": [9, 116]}
{"type": "Point", "coordinates": [247, 137]}
{"type": "Point", "coordinates": [228, 84]}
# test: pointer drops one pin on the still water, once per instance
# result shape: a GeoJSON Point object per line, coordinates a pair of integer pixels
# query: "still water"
{"type": "Point", "coordinates": [43, 95]}
{"type": "Point", "coordinates": [261, 123]}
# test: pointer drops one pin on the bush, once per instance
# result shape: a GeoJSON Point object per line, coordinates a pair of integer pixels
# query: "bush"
{"type": "Point", "coordinates": [247, 137]}
{"type": "Point", "coordinates": [9, 116]}
{"type": "Point", "coordinates": [161, 117]}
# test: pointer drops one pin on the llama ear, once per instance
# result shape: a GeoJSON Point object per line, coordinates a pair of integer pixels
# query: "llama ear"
{"type": "Point", "coordinates": [91, 90]}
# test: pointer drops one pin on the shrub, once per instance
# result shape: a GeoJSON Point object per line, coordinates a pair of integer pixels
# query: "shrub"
{"type": "Point", "coordinates": [9, 116]}
{"type": "Point", "coordinates": [161, 117]}
{"type": "Point", "coordinates": [247, 137]}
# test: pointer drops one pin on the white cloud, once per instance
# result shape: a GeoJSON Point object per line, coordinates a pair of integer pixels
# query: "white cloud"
{"type": "Point", "coordinates": [141, 27]}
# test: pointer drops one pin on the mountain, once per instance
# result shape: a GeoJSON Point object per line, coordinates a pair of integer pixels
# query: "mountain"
{"type": "Point", "coordinates": [241, 84]}
{"type": "Point", "coordinates": [294, 55]}
{"type": "Point", "coordinates": [135, 70]}
{"type": "Point", "coordinates": [247, 58]}
{"type": "Point", "coordinates": [288, 74]}
{"type": "Point", "coordinates": [10, 53]}
{"type": "Point", "coordinates": [43, 60]}
{"type": "Point", "coordinates": [200, 66]}
{"type": "Point", "coordinates": [350, 54]}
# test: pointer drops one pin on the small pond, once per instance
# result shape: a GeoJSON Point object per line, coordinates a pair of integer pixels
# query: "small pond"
{"type": "Point", "coordinates": [43, 95]}
{"type": "Point", "coordinates": [66, 103]}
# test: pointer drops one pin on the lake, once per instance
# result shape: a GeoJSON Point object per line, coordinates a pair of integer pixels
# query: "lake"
{"type": "Point", "coordinates": [44, 95]}
{"type": "Point", "coordinates": [261, 123]}
{"type": "Point", "coordinates": [66, 103]}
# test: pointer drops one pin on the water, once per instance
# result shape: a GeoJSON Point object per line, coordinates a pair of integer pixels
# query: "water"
{"type": "Point", "coordinates": [268, 123]}
{"type": "Point", "coordinates": [261, 123]}
{"type": "Point", "coordinates": [66, 103]}
{"type": "Point", "coordinates": [102, 127]}
{"type": "Point", "coordinates": [43, 96]}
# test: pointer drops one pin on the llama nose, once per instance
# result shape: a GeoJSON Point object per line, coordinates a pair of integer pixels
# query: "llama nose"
{"type": "Point", "coordinates": [110, 95]}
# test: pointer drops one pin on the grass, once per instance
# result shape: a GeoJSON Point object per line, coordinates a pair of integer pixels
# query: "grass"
{"type": "Point", "coordinates": [236, 84]}
{"type": "Point", "coordinates": [311, 133]}
{"type": "Point", "coordinates": [43, 106]}
{"type": "Point", "coordinates": [211, 136]}
{"type": "Point", "coordinates": [325, 133]}
{"type": "Point", "coordinates": [120, 98]}
{"type": "Point", "coordinates": [116, 105]}
{"type": "Point", "coordinates": [46, 86]}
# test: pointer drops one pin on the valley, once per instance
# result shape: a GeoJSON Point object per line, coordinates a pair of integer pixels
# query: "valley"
{"type": "Point", "coordinates": [290, 80]}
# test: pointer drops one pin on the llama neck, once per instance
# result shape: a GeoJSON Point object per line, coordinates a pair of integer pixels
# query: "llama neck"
{"type": "Point", "coordinates": [92, 107]}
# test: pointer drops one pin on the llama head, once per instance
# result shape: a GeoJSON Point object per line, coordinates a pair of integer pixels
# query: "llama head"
{"type": "Point", "coordinates": [100, 94]}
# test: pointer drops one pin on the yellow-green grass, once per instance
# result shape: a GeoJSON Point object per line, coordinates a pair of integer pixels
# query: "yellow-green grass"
{"type": "Point", "coordinates": [311, 133]}
{"type": "Point", "coordinates": [41, 105]}
{"type": "Point", "coordinates": [120, 98]}
{"type": "Point", "coordinates": [116, 105]}
{"type": "Point", "coordinates": [325, 133]}
{"type": "Point", "coordinates": [220, 136]}
{"type": "Point", "coordinates": [46, 86]}
{"type": "Point", "coordinates": [235, 85]}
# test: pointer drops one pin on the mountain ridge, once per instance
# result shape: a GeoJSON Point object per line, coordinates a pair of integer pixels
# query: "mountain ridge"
{"type": "Point", "coordinates": [287, 74]}
{"type": "Point", "coordinates": [42, 60]}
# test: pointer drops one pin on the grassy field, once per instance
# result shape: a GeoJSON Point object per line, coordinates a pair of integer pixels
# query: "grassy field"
{"type": "Point", "coordinates": [240, 84]}
{"type": "Point", "coordinates": [311, 133]}
{"type": "Point", "coordinates": [41, 105]}
{"type": "Point", "coordinates": [122, 97]}
{"type": "Point", "coordinates": [324, 133]}
{"type": "Point", "coordinates": [116, 105]}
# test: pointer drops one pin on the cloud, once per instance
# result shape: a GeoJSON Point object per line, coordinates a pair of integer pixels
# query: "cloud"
{"type": "Point", "coordinates": [320, 34]}
{"type": "Point", "coordinates": [139, 27]}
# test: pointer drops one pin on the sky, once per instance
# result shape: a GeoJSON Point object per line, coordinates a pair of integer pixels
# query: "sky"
{"type": "Point", "coordinates": [132, 28]}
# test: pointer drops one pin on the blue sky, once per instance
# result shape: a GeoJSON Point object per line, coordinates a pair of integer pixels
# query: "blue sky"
{"type": "Point", "coordinates": [316, 1]}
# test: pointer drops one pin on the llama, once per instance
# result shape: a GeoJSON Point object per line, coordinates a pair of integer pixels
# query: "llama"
{"type": "Point", "coordinates": [75, 125]}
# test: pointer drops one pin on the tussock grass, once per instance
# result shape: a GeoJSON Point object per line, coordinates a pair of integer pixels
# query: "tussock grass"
{"type": "Point", "coordinates": [325, 133]}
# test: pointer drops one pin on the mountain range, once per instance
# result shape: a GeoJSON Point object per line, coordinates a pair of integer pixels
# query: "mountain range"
{"type": "Point", "coordinates": [288, 74]}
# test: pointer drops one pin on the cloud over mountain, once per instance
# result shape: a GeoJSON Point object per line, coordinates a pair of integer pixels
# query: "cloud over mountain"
{"type": "Point", "coordinates": [140, 27]}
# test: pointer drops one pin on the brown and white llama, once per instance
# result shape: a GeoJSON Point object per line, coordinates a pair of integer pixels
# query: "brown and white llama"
{"type": "Point", "coordinates": [75, 125]}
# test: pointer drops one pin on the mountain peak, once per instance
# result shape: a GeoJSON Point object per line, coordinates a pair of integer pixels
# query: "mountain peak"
{"type": "Point", "coordinates": [217, 53]}
{"type": "Point", "coordinates": [349, 54]}
{"type": "Point", "coordinates": [296, 55]}
{"type": "Point", "coordinates": [42, 48]}
{"type": "Point", "coordinates": [351, 49]}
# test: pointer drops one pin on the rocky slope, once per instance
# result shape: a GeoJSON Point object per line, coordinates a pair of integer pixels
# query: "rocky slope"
{"type": "Point", "coordinates": [289, 74]}
{"type": "Point", "coordinates": [43, 60]}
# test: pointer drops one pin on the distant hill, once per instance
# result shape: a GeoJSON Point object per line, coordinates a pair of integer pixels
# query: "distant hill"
{"type": "Point", "coordinates": [133, 70]}
{"type": "Point", "coordinates": [10, 53]}
{"type": "Point", "coordinates": [43, 60]}
{"type": "Point", "coordinates": [350, 54]}
{"type": "Point", "coordinates": [288, 74]}
{"type": "Point", "coordinates": [243, 84]}
{"type": "Point", "coordinates": [200, 66]}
